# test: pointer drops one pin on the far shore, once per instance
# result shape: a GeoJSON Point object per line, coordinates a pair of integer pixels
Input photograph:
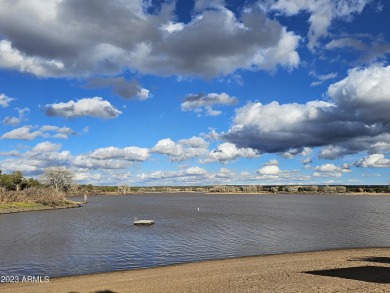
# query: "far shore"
{"type": "Point", "coordinates": [233, 193]}
{"type": "Point", "coordinates": [348, 270]}
{"type": "Point", "coordinates": [18, 207]}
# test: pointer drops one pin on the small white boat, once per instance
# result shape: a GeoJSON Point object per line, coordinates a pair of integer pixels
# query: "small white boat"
{"type": "Point", "coordinates": [143, 222]}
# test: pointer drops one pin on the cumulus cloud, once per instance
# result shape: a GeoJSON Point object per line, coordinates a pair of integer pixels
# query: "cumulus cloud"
{"type": "Point", "coordinates": [182, 150]}
{"type": "Point", "coordinates": [22, 133]}
{"type": "Point", "coordinates": [69, 40]}
{"type": "Point", "coordinates": [27, 132]}
{"type": "Point", "coordinates": [127, 153]}
{"type": "Point", "coordinates": [12, 58]}
{"type": "Point", "coordinates": [332, 152]}
{"type": "Point", "coordinates": [188, 176]}
{"type": "Point", "coordinates": [123, 88]}
{"type": "Point", "coordinates": [293, 152]}
{"type": "Point", "coordinates": [270, 168]}
{"type": "Point", "coordinates": [4, 100]}
{"type": "Point", "coordinates": [374, 160]}
{"type": "Point", "coordinates": [56, 132]}
{"type": "Point", "coordinates": [198, 102]}
{"type": "Point", "coordinates": [322, 13]}
{"type": "Point", "coordinates": [282, 53]}
{"type": "Point", "coordinates": [41, 156]}
{"type": "Point", "coordinates": [228, 152]}
{"type": "Point", "coordinates": [13, 120]}
{"type": "Point", "coordinates": [46, 146]}
{"type": "Point", "coordinates": [111, 158]}
{"type": "Point", "coordinates": [92, 107]}
{"type": "Point", "coordinates": [197, 147]}
{"type": "Point", "coordinates": [331, 170]}
{"type": "Point", "coordinates": [365, 93]}
{"type": "Point", "coordinates": [278, 128]}
{"type": "Point", "coordinates": [104, 160]}
{"type": "Point", "coordinates": [356, 120]}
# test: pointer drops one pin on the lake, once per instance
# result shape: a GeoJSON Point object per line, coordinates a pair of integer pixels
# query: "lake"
{"type": "Point", "coordinates": [101, 237]}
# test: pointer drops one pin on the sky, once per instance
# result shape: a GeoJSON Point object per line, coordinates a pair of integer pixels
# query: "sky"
{"type": "Point", "coordinates": [196, 92]}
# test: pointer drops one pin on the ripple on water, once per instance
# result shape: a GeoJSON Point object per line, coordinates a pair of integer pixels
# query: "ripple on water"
{"type": "Point", "coordinates": [101, 236]}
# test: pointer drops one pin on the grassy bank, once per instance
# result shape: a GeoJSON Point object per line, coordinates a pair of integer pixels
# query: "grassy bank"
{"type": "Point", "coordinates": [33, 199]}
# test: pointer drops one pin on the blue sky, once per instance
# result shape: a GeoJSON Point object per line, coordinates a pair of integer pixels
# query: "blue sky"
{"type": "Point", "coordinates": [195, 92]}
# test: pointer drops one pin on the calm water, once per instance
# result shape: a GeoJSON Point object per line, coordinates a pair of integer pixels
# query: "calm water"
{"type": "Point", "coordinates": [101, 236]}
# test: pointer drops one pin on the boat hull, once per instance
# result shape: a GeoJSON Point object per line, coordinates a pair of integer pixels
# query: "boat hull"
{"type": "Point", "coordinates": [144, 222]}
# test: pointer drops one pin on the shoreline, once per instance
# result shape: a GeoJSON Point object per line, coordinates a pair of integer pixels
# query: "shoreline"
{"type": "Point", "coordinates": [21, 207]}
{"type": "Point", "coordinates": [13, 207]}
{"type": "Point", "coordinates": [345, 270]}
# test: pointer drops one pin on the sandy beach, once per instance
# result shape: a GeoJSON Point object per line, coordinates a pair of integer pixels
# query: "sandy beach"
{"type": "Point", "coordinates": [352, 270]}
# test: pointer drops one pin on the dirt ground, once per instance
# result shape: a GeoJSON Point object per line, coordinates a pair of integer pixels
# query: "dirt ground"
{"type": "Point", "coordinates": [352, 270]}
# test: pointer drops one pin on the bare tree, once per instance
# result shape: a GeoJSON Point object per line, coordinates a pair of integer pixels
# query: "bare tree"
{"type": "Point", "coordinates": [57, 177]}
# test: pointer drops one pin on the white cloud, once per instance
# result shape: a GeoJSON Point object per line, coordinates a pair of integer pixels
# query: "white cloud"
{"type": "Point", "coordinates": [293, 152]}
{"type": "Point", "coordinates": [322, 13]}
{"type": "Point", "coordinates": [27, 132]}
{"type": "Point", "coordinates": [228, 152]}
{"type": "Point", "coordinates": [84, 162]}
{"type": "Point", "coordinates": [128, 153]}
{"type": "Point", "coordinates": [197, 102]}
{"type": "Point", "coordinates": [14, 121]}
{"type": "Point", "coordinates": [41, 156]}
{"type": "Point", "coordinates": [332, 152]}
{"type": "Point", "coordinates": [270, 168]}
{"type": "Point", "coordinates": [283, 53]}
{"type": "Point", "coordinates": [46, 146]}
{"type": "Point", "coordinates": [365, 92]}
{"type": "Point", "coordinates": [111, 158]}
{"type": "Point", "coordinates": [184, 149]}
{"type": "Point", "coordinates": [189, 176]}
{"type": "Point", "coordinates": [56, 132]}
{"type": "Point", "coordinates": [4, 100]}
{"type": "Point", "coordinates": [195, 171]}
{"type": "Point", "coordinates": [331, 170]}
{"type": "Point", "coordinates": [374, 161]}
{"type": "Point", "coordinates": [11, 58]}
{"type": "Point", "coordinates": [93, 107]}
{"type": "Point", "coordinates": [171, 27]}
{"type": "Point", "coordinates": [22, 133]}
{"type": "Point", "coordinates": [322, 78]}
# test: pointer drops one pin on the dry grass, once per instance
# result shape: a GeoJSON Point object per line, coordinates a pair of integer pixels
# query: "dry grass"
{"type": "Point", "coordinates": [44, 196]}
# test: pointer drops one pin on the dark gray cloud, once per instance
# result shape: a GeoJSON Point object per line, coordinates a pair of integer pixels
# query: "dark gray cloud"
{"type": "Point", "coordinates": [85, 37]}
{"type": "Point", "coordinates": [196, 102]}
{"type": "Point", "coordinates": [368, 47]}
{"type": "Point", "coordinates": [357, 119]}
{"type": "Point", "coordinates": [123, 88]}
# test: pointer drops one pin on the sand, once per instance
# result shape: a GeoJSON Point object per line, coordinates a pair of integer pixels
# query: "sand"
{"type": "Point", "coordinates": [352, 270]}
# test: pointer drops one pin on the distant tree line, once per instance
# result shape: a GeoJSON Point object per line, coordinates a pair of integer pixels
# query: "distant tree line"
{"type": "Point", "coordinates": [61, 179]}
